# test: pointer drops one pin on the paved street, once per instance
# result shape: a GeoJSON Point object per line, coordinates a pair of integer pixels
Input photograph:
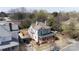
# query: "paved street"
{"type": "Point", "coordinates": [72, 47]}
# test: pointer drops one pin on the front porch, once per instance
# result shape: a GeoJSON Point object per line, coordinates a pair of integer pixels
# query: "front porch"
{"type": "Point", "coordinates": [44, 44]}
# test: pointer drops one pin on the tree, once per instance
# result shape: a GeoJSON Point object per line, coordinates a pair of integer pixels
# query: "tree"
{"type": "Point", "coordinates": [51, 22]}
{"type": "Point", "coordinates": [41, 15]}
{"type": "Point", "coordinates": [54, 21]}
{"type": "Point", "coordinates": [25, 24]}
{"type": "Point", "coordinates": [55, 14]}
{"type": "Point", "coordinates": [21, 14]}
{"type": "Point", "coordinates": [70, 29]}
{"type": "Point", "coordinates": [18, 14]}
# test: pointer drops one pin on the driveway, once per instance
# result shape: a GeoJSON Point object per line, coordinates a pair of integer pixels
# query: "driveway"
{"type": "Point", "coordinates": [72, 47]}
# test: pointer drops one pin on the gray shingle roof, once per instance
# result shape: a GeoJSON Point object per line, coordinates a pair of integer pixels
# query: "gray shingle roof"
{"type": "Point", "coordinates": [4, 31]}
{"type": "Point", "coordinates": [39, 26]}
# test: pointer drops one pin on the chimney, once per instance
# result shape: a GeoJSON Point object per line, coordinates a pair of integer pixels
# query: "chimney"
{"type": "Point", "coordinates": [45, 23]}
{"type": "Point", "coordinates": [10, 26]}
{"type": "Point", "coordinates": [36, 23]}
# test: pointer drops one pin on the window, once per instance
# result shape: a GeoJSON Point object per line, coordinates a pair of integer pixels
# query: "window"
{"type": "Point", "coordinates": [43, 32]}
{"type": "Point", "coordinates": [40, 33]}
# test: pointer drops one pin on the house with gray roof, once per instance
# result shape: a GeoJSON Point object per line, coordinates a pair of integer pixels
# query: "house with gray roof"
{"type": "Point", "coordinates": [8, 36]}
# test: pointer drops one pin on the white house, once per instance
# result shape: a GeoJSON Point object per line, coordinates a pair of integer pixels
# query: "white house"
{"type": "Point", "coordinates": [39, 31]}
{"type": "Point", "coordinates": [8, 36]}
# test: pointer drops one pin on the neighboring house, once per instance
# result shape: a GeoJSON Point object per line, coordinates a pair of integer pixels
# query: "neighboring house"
{"type": "Point", "coordinates": [40, 31]}
{"type": "Point", "coordinates": [5, 19]}
{"type": "Point", "coordinates": [8, 36]}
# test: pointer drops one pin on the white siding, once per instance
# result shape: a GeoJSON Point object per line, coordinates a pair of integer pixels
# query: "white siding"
{"type": "Point", "coordinates": [36, 36]}
{"type": "Point", "coordinates": [33, 33]}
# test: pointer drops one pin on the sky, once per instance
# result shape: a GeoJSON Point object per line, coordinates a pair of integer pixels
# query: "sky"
{"type": "Point", "coordinates": [49, 9]}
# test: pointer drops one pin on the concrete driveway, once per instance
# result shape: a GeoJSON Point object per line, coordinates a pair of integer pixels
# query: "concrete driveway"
{"type": "Point", "coordinates": [72, 47]}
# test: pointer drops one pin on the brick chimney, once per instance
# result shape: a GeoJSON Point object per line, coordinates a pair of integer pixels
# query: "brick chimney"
{"type": "Point", "coordinates": [10, 26]}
